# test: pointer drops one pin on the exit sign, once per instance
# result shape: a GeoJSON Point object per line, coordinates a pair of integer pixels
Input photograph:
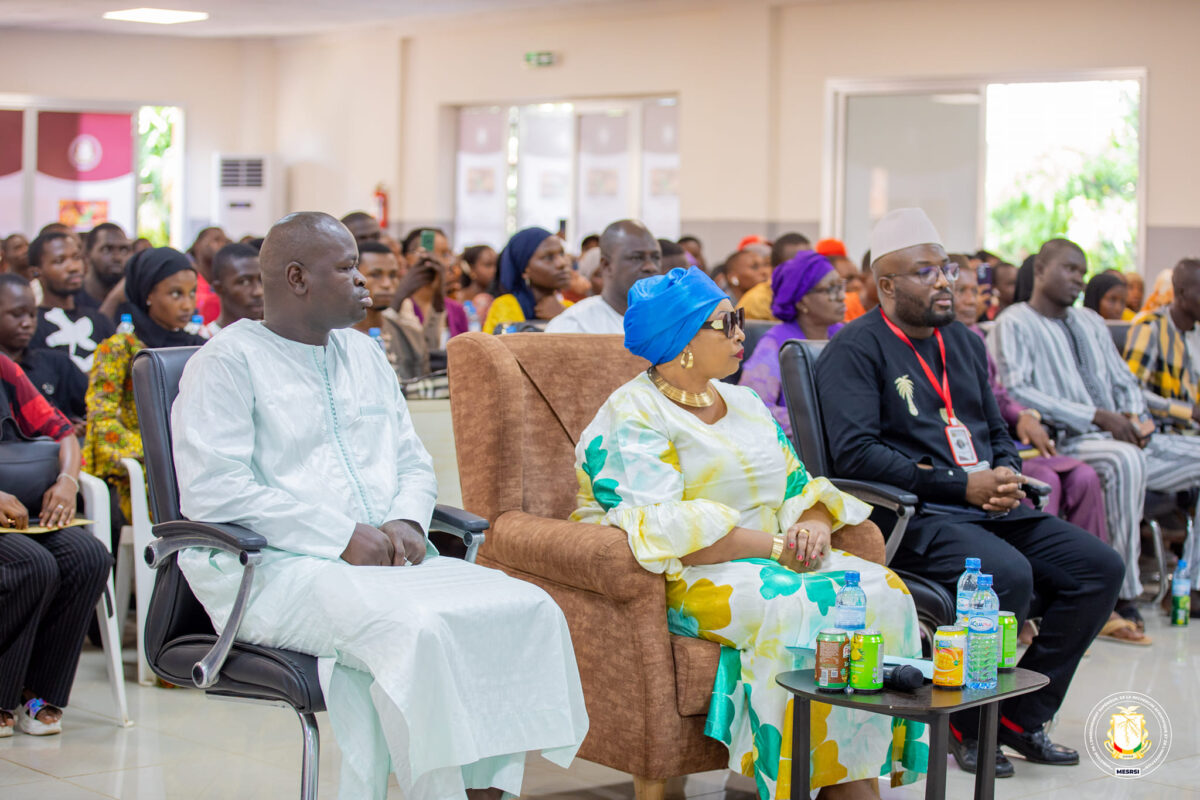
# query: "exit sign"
{"type": "Point", "coordinates": [540, 58]}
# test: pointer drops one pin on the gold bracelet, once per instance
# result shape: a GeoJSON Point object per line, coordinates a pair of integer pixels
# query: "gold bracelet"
{"type": "Point", "coordinates": [777, 547]}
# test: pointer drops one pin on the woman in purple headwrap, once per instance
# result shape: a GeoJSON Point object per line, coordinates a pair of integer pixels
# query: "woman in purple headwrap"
{"type": "Point", "coordinates": [810, 302]}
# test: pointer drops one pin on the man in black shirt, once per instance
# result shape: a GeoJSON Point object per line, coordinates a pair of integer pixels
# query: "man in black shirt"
{"type": "Point", "coordinates": [106, 248]}
{"type": "Point", "coordinates": [52, 373]}
{"type": "Point", "coordinates": [62, 323]}
{"type": "Point", "coordinates": [914, 409]}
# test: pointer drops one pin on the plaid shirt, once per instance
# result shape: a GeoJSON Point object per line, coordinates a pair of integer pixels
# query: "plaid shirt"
{"type": "Point", "coordinates": [29, 409]}
{"type": "Point", "coordinates": [1157, 353]}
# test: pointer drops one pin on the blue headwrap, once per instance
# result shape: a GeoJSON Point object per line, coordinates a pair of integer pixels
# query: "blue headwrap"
{"type": "Point", "coordinates": [513, 260]}
{"type": "Point", "coordinates": [666, 311]}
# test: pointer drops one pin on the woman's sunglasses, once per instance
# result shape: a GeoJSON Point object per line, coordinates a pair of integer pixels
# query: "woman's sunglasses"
{"type": "Point", "coordinates": [727, 322]}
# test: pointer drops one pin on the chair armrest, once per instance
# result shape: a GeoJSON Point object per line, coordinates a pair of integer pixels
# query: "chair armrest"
{"type": "Point", "coordinates": [463, 524]}
{"type": "Point", "coordinates": [595, 558]}
{"type": "Point", "coordinates": [877, 494]}
{"type": "Point", "coordinates": [245, 544]}
{"type": "Point", "coordinates": [1037, 491]}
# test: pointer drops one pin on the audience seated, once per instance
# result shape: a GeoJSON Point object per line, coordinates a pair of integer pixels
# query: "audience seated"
{"type": "Point", "coordinates": [364, 226]}
{"type": "Point", "coordinates": [673, 256]}
{"type": "Point", "coordinates": [14, 256]}
{"type": "Point", "coordinates": [238, 285]}
{"type": "Point", "coordinates": [160, 284]}
{"type": "Point", "coordinates": [62, 323]}
{"type": "Point", "coordinates": [1163, 292]}
{"type": "Point", "coordinates": [707, 506]}
{"type": "Point", "coordinates": [444, 672]}
{"type": "Point", "coordinates": [757, 300]}
{"type": "Point", "coordinates": [49, 582]}
{"type": "Point", "coordinates": [1163, 350]}
{"type": "Point", "coordinates": [745, 270]}
{"type": "Point", "coordinates": [867, 297]}
{"type": "Point", "coordinates": [695, 249]}
{"type": "Point", "coordinates": [1137, 288]}
{"type": "Point", "coordinates": [202, 252]}
{"type": "Point", "coordinates": [628, 253]}
{"type": "Point", "coordinates": [1105, 294]}
{"type": "Point", "coordinates": [1004, 287]}
{"type": "Point", "coordinates": [891, 417]}
{"type": "Point", "coordinates": [808, 299]}
{"type": "Point", "coordinates": [588, 267]}
{"type": "Point", "coordinates": [106, 249]}
{"type": "Point", "coordinates": [403, 338]}
{"type": "Point", "coordinates": [476, 294]}
{"type": "Point", "coordinates": [141, 243]}
{"type": "Point", "coordinates": [529, 282]}
{"type": "Point", "coordinates": [51, 372]}
{"type": "Point", "coordinates": [589, 242]}
{"type": "Point", "coordinates": [421, 297]}
{"type": "Point", "coordinates": [1061, 360]}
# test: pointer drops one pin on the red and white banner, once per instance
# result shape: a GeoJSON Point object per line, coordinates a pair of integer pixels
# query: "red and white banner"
{"type": "Point", "coordinates": [84, 170]}
{"type": "Point", "coordinates": [12, 190]}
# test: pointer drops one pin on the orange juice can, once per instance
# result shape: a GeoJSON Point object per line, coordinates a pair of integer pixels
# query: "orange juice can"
{"type": "Point", "coordinates": [950, 656]}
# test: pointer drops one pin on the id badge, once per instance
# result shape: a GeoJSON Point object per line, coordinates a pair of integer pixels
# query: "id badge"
{"type": "Point", "coordinates": [961, 446]}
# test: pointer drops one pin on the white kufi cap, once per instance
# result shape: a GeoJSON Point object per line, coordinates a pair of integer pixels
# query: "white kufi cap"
{"type": "Point", "coordinates": [901, 228]}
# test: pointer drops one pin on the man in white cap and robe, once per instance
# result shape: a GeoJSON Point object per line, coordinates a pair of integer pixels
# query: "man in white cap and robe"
{"type": "Point", "coordinates": [441, 672]}
{"type": "Point", "coordinates": [914, 409]}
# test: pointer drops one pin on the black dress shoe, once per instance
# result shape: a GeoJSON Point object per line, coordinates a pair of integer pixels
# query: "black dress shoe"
{"type": "Point", "coordinates": [966, 753]}
{"type": "Point", "coordinates": [1036, 747]}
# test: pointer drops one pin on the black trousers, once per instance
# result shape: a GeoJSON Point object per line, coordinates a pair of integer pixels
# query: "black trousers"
{"type": "Point", "coordinates": [49, 586]}
{"type": "Point", "coordinates": [1076, 576]}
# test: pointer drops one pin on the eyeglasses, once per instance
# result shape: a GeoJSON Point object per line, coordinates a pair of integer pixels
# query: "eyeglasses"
{"type": "Point", "coordinates": [727, 322]}
{"type": "Point", "coordinates": [929, 275]}
{"type": "Point", "coordinates": [833, 290]}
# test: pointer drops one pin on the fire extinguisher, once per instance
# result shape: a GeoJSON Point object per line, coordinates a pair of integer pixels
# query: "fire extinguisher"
{"type": "Point", "coordinates": [381, 205]}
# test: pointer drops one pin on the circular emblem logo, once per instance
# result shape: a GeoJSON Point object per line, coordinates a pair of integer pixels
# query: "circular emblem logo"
{"type": "Point", "coordinates": [85, 152]}
{"type": "Point", "coordinates": [1128, 735]}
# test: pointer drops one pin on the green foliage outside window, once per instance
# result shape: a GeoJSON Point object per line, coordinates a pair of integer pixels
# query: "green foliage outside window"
{"type": "Point", "coordinates": [157, 159]}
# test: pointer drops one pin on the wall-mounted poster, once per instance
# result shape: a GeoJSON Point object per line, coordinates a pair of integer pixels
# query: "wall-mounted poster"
{"type": "Point", "coordinates": [84, 170]}
{"type": "Point", "coordinates": [480, 201]}
{"type": "Point", "coordinates": [12, 189]}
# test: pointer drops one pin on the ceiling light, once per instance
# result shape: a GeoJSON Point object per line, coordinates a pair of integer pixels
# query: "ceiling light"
{"type": "Point", "coordinates": [156, 16]}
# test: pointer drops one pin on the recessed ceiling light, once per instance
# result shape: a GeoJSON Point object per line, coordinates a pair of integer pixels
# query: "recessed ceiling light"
{"type": "Point", "coordinates": [156, 16]}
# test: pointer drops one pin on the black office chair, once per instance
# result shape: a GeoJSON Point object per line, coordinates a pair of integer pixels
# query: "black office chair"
{"type": "Point", "coordinates": [1119, 331]}
{"type": "Point", "coordinates": [181, 645]}
{"type": "Point", "coordinates": [754, 330]}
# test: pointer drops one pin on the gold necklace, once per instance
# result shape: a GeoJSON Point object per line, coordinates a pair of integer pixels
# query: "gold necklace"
{"type": "Point", "coordinates": [691, 399]}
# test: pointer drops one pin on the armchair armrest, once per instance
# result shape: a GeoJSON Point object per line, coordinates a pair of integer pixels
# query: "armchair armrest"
{"type": "Point", "coordinates": [245, 544]}
{"type": "Point", "coordinates": [463, 524]}
{"type": "Point", "coordinates": [899, 501]}
{"type": "Point", "coordinates": [594, 558]}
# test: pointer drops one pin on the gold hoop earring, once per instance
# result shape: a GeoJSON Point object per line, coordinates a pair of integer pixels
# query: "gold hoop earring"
{"type": "Point", "coordinates": [686, 360]}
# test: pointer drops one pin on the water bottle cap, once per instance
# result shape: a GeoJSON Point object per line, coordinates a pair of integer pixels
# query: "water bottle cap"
{"type": "Point", "coordinates": [985, 581]}
{"type": "Point", "coordinates": [851, 577]}
{"type": "Point", "coordinates": [973, 563]}
{"type": "Point", "coordinates": [197, 318]}
{"type": "Point", "coordinates": [1183, 563]}
{"type": "Point", "coordinates": [127, 318]}
{"type": "Point", "coordinates": [374, 332]}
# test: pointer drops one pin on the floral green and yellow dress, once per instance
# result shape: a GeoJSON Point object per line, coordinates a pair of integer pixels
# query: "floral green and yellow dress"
{"type": "Point", "coordinates": [675, 485]}
{"type": "Point", "coordinates": [113, 432]}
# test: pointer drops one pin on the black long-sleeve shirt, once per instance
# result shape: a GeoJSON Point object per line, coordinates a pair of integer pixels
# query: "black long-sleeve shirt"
{"type": "Point", "coordinates": [866, 376]}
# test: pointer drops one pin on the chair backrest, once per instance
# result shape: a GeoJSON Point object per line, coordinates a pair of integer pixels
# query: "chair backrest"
{"type": "Point", "coordinates": [797, 373]}
{"type": "Point", "coordinates": [519, 403]}
{"type": "Point", "coordinates": [174, 611]}
{"type": "Point", "coordinates": [1119, 331]}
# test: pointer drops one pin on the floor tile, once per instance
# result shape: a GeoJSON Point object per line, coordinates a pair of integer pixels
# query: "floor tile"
{"type": "Point", "coordinates": [13, 774]}
{"type": "Point", "coordinates": [49, 790]}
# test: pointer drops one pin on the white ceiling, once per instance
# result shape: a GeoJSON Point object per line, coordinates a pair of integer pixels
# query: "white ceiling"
{"type": "Point", "coordinates": [254, 17]}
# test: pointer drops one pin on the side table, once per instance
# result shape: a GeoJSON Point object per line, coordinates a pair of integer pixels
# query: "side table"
{"type": "Point", "coordinates": [929, 704]}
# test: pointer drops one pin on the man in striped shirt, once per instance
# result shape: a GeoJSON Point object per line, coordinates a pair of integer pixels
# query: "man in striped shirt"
{"type": "Point", "coordinates": [1163, 350]}
{"type": "Point", "coordinates": [1061, 360]}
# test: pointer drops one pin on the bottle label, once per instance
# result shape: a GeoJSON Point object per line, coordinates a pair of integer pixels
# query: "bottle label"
{"type": "Point", "coordinates": [850, 618]}
{"type": "Point", "coordinates": [980, 623]}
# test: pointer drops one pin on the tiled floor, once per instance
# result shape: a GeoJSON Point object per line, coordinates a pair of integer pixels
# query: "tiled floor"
{"type": "Point", "coordinates": [188, 747]}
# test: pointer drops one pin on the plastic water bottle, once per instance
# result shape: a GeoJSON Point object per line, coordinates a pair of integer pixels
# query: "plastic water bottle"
{"type": "Point", "coordinates": [196, 326]}
{"type": "Point", "coordinates": [1181, 594]}
{"type": "Point", "coordinates": [474, 323]}
{"type": "Point", "coordinates": [983, 636]}
{"type": "Point", "coordinates": [126, 325]}
{"type": "Point", "coordinates": [967, 583]}
{"type": "Point", "coordinates": [377, 337]}
{"type": "Point", "coordinates": [850, 612]}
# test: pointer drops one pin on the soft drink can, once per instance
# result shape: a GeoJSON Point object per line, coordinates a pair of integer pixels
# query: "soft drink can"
{"type": "Point", "coordinates": [866, 661]}
{"type": "Point", "coordinates": [833, 656]}
{"type": "Point", "coordinates": [1008, 642]}
{"type": "Point", "coordinates": [1181, 608]}
{"type": "Point", "coordinates": [950, 656]}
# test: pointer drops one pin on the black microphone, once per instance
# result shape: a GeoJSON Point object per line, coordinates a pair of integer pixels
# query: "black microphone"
{"type": "Point", "coordinates": [902, 678]}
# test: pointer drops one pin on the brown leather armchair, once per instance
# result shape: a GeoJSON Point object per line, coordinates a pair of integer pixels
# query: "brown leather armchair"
{"type": "Point", "coordinates": [519, 403]}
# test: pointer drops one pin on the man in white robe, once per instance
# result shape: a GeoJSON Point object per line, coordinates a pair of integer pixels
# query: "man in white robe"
{"type": "Point", "coordinates": [440, 671]}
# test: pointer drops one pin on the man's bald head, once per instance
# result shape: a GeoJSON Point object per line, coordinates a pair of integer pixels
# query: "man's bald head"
{"type": "Point", "coordinates": [615, 235]}
{"type": "Point", "coordinates": [628, 253]}
{"type": "Point", "coordinates": [311, 282]}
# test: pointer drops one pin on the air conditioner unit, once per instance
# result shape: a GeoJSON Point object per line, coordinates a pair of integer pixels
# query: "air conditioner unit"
{"type": "Point", "coordinates": [247, 194]}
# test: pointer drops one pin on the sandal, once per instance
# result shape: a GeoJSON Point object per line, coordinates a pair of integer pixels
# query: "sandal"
{"type": "Point", "coordinates": [28, 722]}
{"type": "Point", "coordinates": [1121, 630]}
{"type": "Point", "coordinates": [7, 730]}
{"type": "Point", "coordinates": [1129, 611]}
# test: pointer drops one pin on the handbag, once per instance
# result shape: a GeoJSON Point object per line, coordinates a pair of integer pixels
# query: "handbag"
{"type": "Point", "coordinates": [28, 466]}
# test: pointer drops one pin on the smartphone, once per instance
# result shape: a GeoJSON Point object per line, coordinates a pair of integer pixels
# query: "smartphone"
{"type": "Point", "coordinates": [427, 236]}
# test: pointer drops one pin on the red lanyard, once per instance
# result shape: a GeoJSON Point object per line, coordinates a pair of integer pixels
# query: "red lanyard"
{"type": "Point", "coordinates": [943, 391]}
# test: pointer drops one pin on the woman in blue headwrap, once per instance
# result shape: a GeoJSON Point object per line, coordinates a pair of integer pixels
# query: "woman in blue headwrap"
{"type": "Point", "coordinates": [532, 273]}
{"type": "Point", "coordinates": [713, 497]}
{"type": "Point", "coordinates": [809, 300]}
